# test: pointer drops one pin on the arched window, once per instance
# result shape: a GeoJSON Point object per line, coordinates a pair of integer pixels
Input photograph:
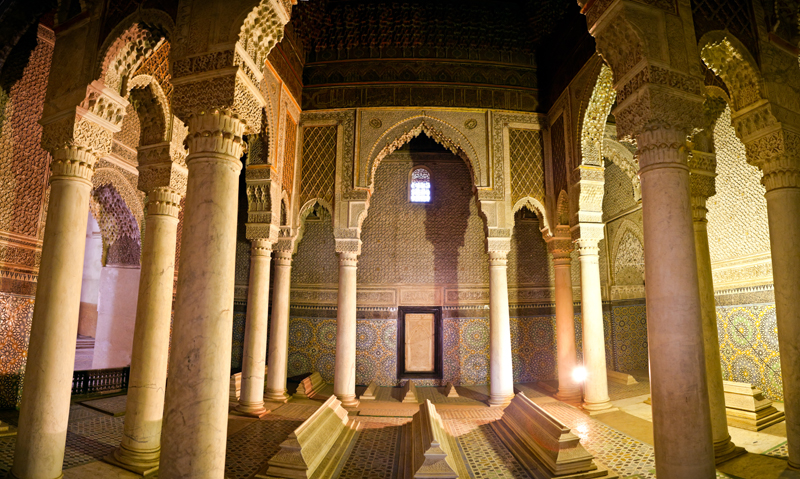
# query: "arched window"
{"type": "Point", "coordinates": [419, 185]}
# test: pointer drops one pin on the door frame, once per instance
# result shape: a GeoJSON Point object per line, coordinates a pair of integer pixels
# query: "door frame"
{"type": "Point", "coordinates": [438, 341]}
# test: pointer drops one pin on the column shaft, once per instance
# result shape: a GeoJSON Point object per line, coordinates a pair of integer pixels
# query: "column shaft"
{"type": "Point", "coordinates": [724, 449]}
{"type": "Point", "coordinates": [681, 417]}
{"type": "Point", "coordinates": [279, 329]}
{"type": "Point", "coordinates": [344, 380]}
{"type": "Point", "coordinates": [47, 388]}
{"type": "Point", "coordinates": [594, 343]}
{"type": "Point", "coordinates": [568, 390]}
{"type": "Point", "coordinates": [251, 400]}
{"type": "Point", "coordinates": [783, 208]}
{"type": "Point", "coordinates": [500, 365]}
{"type": "Point", "coordinates": [141, 440]}
{"type": "Point", "coordinates": [196, 409]}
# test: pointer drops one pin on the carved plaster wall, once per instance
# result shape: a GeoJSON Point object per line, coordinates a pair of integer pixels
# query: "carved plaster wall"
{"type": "Point", "coordinates": [738, 231]}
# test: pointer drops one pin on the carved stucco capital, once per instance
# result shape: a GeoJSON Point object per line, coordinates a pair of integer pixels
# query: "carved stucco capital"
{"type": "Point", "coordinates": [73, 163]}
{"type": "Point", "coordinates": [260, 247]}
{"type": "Point", "coordinates": [216, 132]}
{"type": "Point", "coordinates": [777, 154]}
{"type": "Point", "coordinates": [163, 201]}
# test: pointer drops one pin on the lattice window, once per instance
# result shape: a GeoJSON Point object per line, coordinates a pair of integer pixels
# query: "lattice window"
{"type": "Point", "coordinates": [419, 185]}
{"type": "Point", "coordinates": [736, 17]}
{"type": "Point", "coordinates": [318, 167]}
{"type": "Point", "coordinates": [527, 170]}
{"type": "Point", "coordinates": [559, 156]}
{"type": "Point", "coordinates": [289, 148]}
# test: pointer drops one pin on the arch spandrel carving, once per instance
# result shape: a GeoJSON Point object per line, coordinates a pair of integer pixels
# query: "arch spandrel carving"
{"type": "Point", "coordinates": [401, 132]}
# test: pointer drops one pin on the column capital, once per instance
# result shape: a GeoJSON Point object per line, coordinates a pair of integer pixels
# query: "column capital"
{"type": "Point", "coordinates": [260, 247]}
{"type": "Point", "coordinates": [215, 132]}
{"type": "Point", "coordinates": [348, 240]}
{"type": "Point", "coordinates": [588, 246]}
{"type": "Point", "coordinates": [73, 163]}
{"type": "Point", "coordinates": [348, 258]}
{"type": "Point", "coordinates": [777, 154]}
{"type": "Point", "coordinates": [498, 258]}
{"type": "Point", "coordinates": [157, 169]}
{"type": "Point", "coordinates": [163, 201]}
{"type": "Point", "coordinates": [560, 248]}
{"type": "Point", "coordinates": [282, 257]}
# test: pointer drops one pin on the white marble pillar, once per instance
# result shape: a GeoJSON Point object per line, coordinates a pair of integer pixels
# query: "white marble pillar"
{"type": "Point", "coordinates": [783, 209]}
{"type": "Point", "coordinates": [595, 388]}
{"type": "Point", "coordinates": [568, 389]}
{"type": "Point", "coordinates": [344, 379]}
{"type": "Point", "coordinates": [196, 408]}
{"type": "Point", "coordinates": [140, 448]}
{"type": "Point", "coordinates": [47, 387]}
{"type": "Point", "coordinates": [251, 399]}
{"type": "Point", "coordinates": [501, 381]}
{"type": "Point", "coordinates": [279, 329]}
{"type": "Point", "coordinates": [681, 415]}
{"type": "Point", "coordinates": [702, 187]}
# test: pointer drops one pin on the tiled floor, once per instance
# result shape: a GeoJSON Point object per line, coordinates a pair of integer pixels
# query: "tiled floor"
{"type": "Point", "coordinates": [92, 434]}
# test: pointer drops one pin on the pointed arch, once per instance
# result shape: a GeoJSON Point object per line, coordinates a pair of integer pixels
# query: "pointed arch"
{"type": "Point", "coordinates": [538, 208]}
{"type": "Point", "coordinates": [118, 226]}
{"type": "Point", "coordinates": [562, 210]}
{"type": "Point", "coordinates": [595, 117]}
{"type": "Point", "coordinates": [152, 106]}
{"type": "Point", "coordinates": [727, 57]}
{"type": "Point", "coordinates": [261, 30]}
{"type": "Point", "coordinates": [402, 132]}
{"type": "Point", "coordinates": [624, 159]}
{"type": "Point", "coordinates": [306, 210]}
{"type": "Point", "coordinates": [626, 228]}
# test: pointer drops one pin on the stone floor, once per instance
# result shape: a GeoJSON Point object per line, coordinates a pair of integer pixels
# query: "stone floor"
{"type": "Point", "coordinates": [621, 440]}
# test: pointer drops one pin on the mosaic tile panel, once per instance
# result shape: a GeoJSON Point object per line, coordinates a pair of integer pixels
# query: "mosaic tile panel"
{"type": "Point", "coordinates": [483, 451]}
{"type": "Point", "coordinates": [237, 345]}
{"type": "Point", "coordinates": [16, 313]}
{"type": "Point", "coordinates": [312, 347]}
{"type": "Point", "coordinates": [248, 450]}
{"type": "Point", "coordinates": [781, 451]}
{"type": "Point", "coordinates": [748, 346]}
{"type": "Point", "coordinates": [533, 346]}
{"type": "Point", "coordinates": [375, 451]}
{"type": "Point", "coordinates": [630, 338]}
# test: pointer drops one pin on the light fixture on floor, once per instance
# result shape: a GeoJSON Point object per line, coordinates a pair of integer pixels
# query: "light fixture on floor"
{"type": "Point", "coordinates": [579, 374]}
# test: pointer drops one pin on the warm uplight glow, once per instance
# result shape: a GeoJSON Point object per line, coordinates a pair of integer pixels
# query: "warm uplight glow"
{"type": "Point", "coordinates": [579, 374]}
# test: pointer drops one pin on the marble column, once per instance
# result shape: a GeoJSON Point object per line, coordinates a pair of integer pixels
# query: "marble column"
{"type": "Point", "coordinates": [568, 389]}
{"type": "Point", "coordinates": [782, 182]}
{"type": "Point", "coordinates": [501, 382]}
{"type": "Point", "coordinates": [595, 388]}
{"type": "Point", "coordinates": [196, 409]}
{"type": "Point", "coordinates": [47, 388]}
{"type": "Point", "coordinates": [279, 329]}
{"type": "Point", "coordinates": [681, 414]}
{"type": "Point", "coordinates": [251, 399]}
{"type": "Point", "coordinates": [344, 379]}
{"type": "Point", "coordinates": [702, 187]}
{"type": "Point", "coordinates": [140, 448]}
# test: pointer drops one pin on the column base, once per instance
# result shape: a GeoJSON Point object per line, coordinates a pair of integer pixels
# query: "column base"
{"type": "Point", "coordinates": [602, 407]}
{"type": "Point", "coordinates": [144, 464]}
{"type": "Point", "coordinates": [271, 395]}
{"type": "Point", "coordinates": [793, 466]}
{"type": "Point", "coordinates": [11, 475]}
{"type": "Point", "coordinates": [500, 400]}
{"type": "Point", "coordinates": [570, 395]}
{"type": "Point", "coordinates": [250, 410]}
{"type": "Point", "coordinates": [725, 450]}
{"type": "Point", "coordinates": [349, 401]}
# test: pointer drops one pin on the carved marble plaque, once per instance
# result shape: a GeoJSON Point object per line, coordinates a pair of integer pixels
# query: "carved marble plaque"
{"type": "Point", "coordinates": [419, 342]}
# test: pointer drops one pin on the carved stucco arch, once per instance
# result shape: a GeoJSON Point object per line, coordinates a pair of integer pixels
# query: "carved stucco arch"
{"type": "Point", "coordinates": [261, 29]}
{"type": "Point", "coordinates": [729, 59]}
{"type": "Point", "coordinates": [537, 208]}
{"type": "Point", "coordinates": [562, 210]}
{"type": "Point", "coordinates": [438, 130]}
{"type": "Point", "coordinates": [134, 200]}
{"type": "Point", "coordinates": [119, 227]}
{"type": "Point", "coordinates": [133, 40]}
{"type": "Point", "coordinates": [305, 210]}
{"type": "Point", "coordinates": [152, 107]}
{"type": "Point", "coordinates": [625, 227]}
{"type": "Point", "coordinates": [624, 159]}
{"type": "Point", "coordinates": [593, 124]}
